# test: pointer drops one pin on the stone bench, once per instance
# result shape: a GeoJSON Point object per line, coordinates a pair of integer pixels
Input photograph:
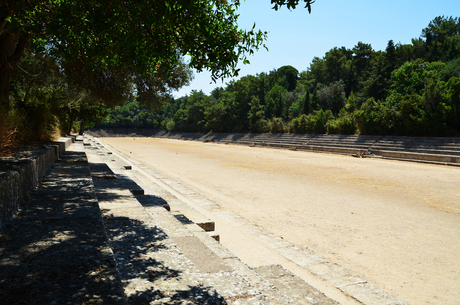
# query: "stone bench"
{"type": "Point", "coordinates": [440, 149]}
{"type": "Point", "coordinates": [21, 173]}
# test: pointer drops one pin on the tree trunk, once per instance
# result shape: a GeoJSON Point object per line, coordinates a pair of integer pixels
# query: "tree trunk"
{"type": "Point", "coordinates": [70, 123]}
{"type": "Point", "coordinates": [82, 125]}
{"type": "Point", "coordinates": [11, 51]}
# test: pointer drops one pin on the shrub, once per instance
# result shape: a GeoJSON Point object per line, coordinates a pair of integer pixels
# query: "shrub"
{"type": "Point", "coordinates": [318, 120]}
{"type": "Point", "coordinates": [375, 118]}
{"type": "Point", "coordinates": [9, 137]}
{"type": "Point", "coordinates": [168, 124]}
{"type": "Point", "coordinates": [277, 125]}
{"type": "Point", "coordinates": [342, 125]}
{"type": "Point", "coordinates": [299, 124]}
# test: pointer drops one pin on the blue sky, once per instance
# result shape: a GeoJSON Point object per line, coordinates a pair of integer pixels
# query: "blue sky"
{"type": "Point", "coordinates": [295, 37]}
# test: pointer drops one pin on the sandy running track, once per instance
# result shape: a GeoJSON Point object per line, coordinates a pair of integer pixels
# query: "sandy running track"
{"type": "Point", "coordinates": [395, 224]}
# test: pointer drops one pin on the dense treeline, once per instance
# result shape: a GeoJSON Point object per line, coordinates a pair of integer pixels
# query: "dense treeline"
{"type": "Point", "coordinates": [63, 62]}
{"type": "Point", "coordinates": [407, 89]}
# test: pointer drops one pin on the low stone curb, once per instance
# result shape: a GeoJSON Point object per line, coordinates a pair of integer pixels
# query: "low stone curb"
{"type": "Point", "coordinates": [435, 150]}
{"type": "Point", "coordinates": [55, 251]}
{"type": "Point", "coordinates": [164, 258]}
{"type": "Point", "coordinates": [337, 277]}
{"type": "Point", "coordinates": [21, 173]}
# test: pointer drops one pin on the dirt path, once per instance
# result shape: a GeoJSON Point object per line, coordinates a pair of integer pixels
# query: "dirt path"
{"type": "Point", "coordinates": [396, 224]}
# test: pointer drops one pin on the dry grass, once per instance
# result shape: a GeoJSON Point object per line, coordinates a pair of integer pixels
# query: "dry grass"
{"type": "Point", "coordinates": [9, 137]}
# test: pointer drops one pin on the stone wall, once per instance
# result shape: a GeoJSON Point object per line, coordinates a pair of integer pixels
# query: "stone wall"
{"type": "Point", "coordinates": [21, 173]}
{"type": "Point", "coordinates": [437, 150]}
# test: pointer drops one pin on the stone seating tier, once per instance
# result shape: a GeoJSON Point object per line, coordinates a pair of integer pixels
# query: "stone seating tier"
{"type": "Point", "coordinates": [423, 149]}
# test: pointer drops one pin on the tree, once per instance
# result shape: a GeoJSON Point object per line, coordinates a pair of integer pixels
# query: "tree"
{"type": "Point", "coordinates": [300, 105]}
{"type": "Point", "coordinates": [191, 115]}
{"type": "Point", "coordinates": [216, 117]}
{"type": "Point", "coordinates": [452, 102]}
{"type": "Point", "coordinates": [292, 4]}
{"type": "Point", "coordinates": [256, 116]}
{"type": "Point", "coordinates": [42, 98]}
{"type": "Point", "coordinates": [337, 63]}
{"type": "Point", "coordinates": [363, 54]}
{"type": "Point", "coordinates": [275, 102]}
{"type": "Point", "coordinates": [287, 77]}
{"type": "Point", "coordinates": [442, 38]}
{"type": "Point", "coordinates": [111, 48]}
{"type": "Point", "coordinates": [113, 41]}
{"type": "Point", "coordinates": [89, 113]}
{"type": "Point", "coordinates": [331, 97]}
{"type": "Point", "coordinates": [317, 72]}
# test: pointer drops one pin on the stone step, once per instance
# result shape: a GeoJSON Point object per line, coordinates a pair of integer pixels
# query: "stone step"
{"type": "Point", "coordinates": [426, 149]}
{"type": "Point", "coordinates": [425, 142]}
{"type": "Point", "coordinates": [142, 184]}
{"type": "Point", "coordinates": [154, 267]}
{"type": "Point", "coordinates": [434, 151]}
{"type": "Point", "coordinates": [327, 149]}
{"type": "Point", "coordinates": [339, 278]}
{"type": "Point", "coordinates": [164, 261]}
{"type": "Point", "coordinates": [188, 213]}
{"type": "Point", "coordinates": [413, 156]}
{"type": "Point", "coordinates": [56, 250]}
{"type": "Point", "coordinates": [296, 288]}
{"type": "Point", "coordinates": [340, 144]}
{"type": "Point", "coordinates": [318, 144]}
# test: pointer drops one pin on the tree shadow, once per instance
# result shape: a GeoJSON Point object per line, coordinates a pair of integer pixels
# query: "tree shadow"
{"type": "Point", "coordinates": [140, 249]}
{"type": "Point", "coordinates": [56, 250]}
{"type": "Point", "coordinates": [153, 201]}
{"type": "Point", "coordinates": [152, 267]}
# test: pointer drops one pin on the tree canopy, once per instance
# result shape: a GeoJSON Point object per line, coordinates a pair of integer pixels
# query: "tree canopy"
{"type": "Point", "coordinates": [108, 50]}
{"type": "Point", "coordinates": [408, 89]}
{"type": "Point", "coordinates": [103, 44]}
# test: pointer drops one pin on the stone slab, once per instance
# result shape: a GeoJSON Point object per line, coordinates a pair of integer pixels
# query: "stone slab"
{"type": "Point", "coordinates": [296, 288]}
{"type": "Point", "coordinates": [56, 250]}
{"type": "Point", "coordinates": [201, 256]}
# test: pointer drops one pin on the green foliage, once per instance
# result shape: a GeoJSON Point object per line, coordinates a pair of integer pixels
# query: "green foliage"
{"type": "Point", "coordinates": [442, 39]}
{"type": "Point", "coordinates": [191, 116]}
{"type": "Point", "coordinates": [216, 116]}
{"type": "Point", "coordinates": [315, 122]}
{"type": "Point", "coordinates": [134, 115]}
{"type": "Point", "coordinates": [37, 98]}
{"type": "Point", "coordinates": [291, 4]}
{"type": "Point", "coordinates": [299, 124]}
{"type": "Point", "coordinates": [344, 124]}
{"type": "Point", "coordinates": [332, 96]}
{"type": "Point", "coordinates": [348, 91]}
{"type": "Point", "coordinates": [277, 125]}
{"type": "Point", "coordinates": [169, 125]}
{"type": "Point", "coordinates": [287, 77]}
{"type": "Point", "coordinates": [105, 47]}
{"type": "Point", "coordinates": [38, 113]}
{"type": "Point", "coordinates": [411, 117]}
{"type": "Point", "coordinates": [410, 77]}
{"type": "Point", "coordinates": [275, 101]}
{"type": "Point", "coordinates": [451, 103]}
{"type": "Point", "coordinates": [300, 106]}
{"type": "Point", "coordinates": [108, 50]}
{"type": "Point", "coordinates": [90, 113]}
{"type": "Point", "coordinates": [318, 121]}
{"type": "Point", "coordinates": [374, 118]}
{"type": "Point", "coordinates": [256, 116]}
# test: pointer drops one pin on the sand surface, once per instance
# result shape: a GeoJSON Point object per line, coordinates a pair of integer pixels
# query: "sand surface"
{"type": "Point", "coordinates": [395, 224]}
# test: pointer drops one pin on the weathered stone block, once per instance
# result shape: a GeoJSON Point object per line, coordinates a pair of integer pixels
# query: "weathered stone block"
{"type": "Point", "coordinates": [137, 192]}
{"type": "Point", "coordinates": [21, 173]}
